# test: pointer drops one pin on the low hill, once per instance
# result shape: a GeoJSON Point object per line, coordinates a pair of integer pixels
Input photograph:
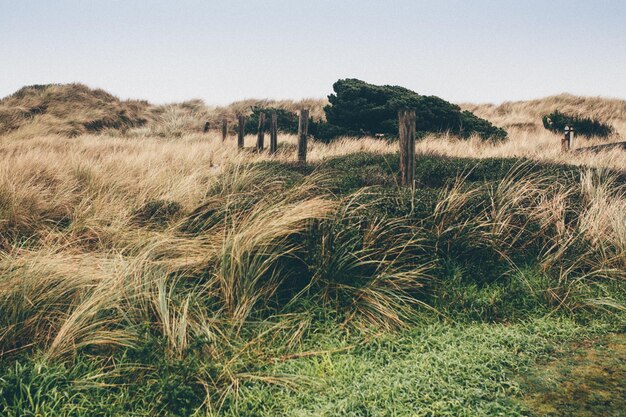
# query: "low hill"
{"type": "Point", "coordinates": [75, 109]}
{"type": "Point", "coordinates": [527, 114]}
{"type": "Point", "coordinates": [69, 109]}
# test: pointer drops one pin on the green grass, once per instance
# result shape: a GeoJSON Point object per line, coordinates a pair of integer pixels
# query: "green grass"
{"type": "Point", "coordinates": [587, 378]}
{"type": "Point", "coordinates": [427, 302]}
{"type": "Point", "coordinates": [433, 369]}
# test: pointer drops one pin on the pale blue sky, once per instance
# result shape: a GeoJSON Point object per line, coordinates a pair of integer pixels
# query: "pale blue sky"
{"type": "Point", "coordinates": [221, 51]}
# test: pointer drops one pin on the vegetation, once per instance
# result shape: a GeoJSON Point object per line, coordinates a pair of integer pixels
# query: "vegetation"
{"type": "Point", "coordinates": [287, 122]}
{"type": "Point", "coordinates": [358, 109]}
{"type": "Point", "coordinates": [70, 109]}
{"type": "Point", "coordinates": [526, 116]}
{"type": "Point", "coordinates": [584, 126]}
{"type": "Point", "coordinates": [161, 272]}
{"type": "Point", "coordinates": [123, 292]}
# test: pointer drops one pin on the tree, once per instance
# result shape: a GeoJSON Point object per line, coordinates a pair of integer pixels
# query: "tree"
{"type": "Point", "coordinates": [583, 126]}
{"type": "Point", "coordinates": [286, 121]}
{"type": "Point", "coordinates": [358, 108]}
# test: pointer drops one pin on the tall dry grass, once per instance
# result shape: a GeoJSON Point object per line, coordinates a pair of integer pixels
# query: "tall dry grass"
{"type": "Point", "coordinates": [527, 114]}
{"type": "Point", "coordinates": [99, 181]}
{"type": "Point", "coordinates": [81, 269]}
{"type": "Point", "coordinates": [85, 265]}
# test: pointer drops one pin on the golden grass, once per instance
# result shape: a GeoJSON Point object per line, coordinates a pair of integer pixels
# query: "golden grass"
{"type": "Point", "coordinates": [527, 114]}
{"type": "Point", "coordinates": [93, 283]}
{"type": "Point", "coordinates": [99, 180]}
{"type": "Point", "coordinates": [77, 270]}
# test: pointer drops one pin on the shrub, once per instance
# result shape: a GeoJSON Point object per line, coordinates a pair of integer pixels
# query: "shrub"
{"type": "Point", "coordinates": [287, 121]}
{"type": "Point", "coordinates": [358, 108]}
{"type": "Point", "coordinates": [584, 126]}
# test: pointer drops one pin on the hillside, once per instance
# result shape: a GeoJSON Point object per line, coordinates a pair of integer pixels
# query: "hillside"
{"type": "Point", "coordinates": [149, 268]}
{"type": "Point", "coordinates": [69, 109]}
{"type": "Point", "coordinates": [143, 276]}
{"type": "Point", "coordinates": [527, 114]}
{"type": "Point", "coordinates": [75, 109]}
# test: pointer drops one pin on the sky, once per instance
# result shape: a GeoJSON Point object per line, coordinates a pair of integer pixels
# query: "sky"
{"type": "Point", "coordinates": [223, 51]}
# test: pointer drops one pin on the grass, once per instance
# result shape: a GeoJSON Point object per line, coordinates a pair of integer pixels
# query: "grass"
{"type": "Point", "coordinates": [586, 378]}
{"type": "Point", "coordinates": [433, 369]}
{"type": "Point", "coordinates": [157, 273]}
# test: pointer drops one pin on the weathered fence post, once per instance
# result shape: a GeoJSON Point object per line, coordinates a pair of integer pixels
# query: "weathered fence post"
{"type": "Point", "coordinates": [240, 130]}
{"type": "Point", "coordinates": [406, 127]}
{"type": "Point", "coordinates": [273, 132]}
{"type": "Point", "coordinates": [260, 139]}
{"type": "Point", "coordinates": [224, 129]}
{"type": "Point", "coordinates": [567, 142]}
{"type": "Point", "coordinates": [303, 128]}
{"type": "Point", "coordinates": [206, 127]}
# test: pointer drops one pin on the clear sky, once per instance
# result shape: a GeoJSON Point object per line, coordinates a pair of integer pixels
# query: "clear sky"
{"type": "Point", "coordinates": [221, 51]}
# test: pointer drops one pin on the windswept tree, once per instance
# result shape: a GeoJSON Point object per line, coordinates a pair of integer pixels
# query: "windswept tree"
{"type": "Point", "coordinates": [584, 126]}
{"type": "Point", "coordinates": [358, 108]}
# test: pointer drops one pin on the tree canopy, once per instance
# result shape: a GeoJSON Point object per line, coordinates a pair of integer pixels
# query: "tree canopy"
{"type": "Point", "coordinates": [357, 108]}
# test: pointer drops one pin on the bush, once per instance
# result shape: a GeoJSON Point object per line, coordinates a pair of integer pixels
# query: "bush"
{"type": "Point", "coordinates": [584, 126]}
{"type": "Point", "coordinates": [358, 108]}
{"type": "Point", "coordinates": [287, 121]}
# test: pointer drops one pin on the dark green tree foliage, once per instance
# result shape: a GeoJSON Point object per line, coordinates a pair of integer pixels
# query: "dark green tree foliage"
{"type": "Point", "coordinates": [358, 108]}
{"type": "Point", "coordinates": [584, 126]}
{"type": "Point", "coordinates": [287, 121]}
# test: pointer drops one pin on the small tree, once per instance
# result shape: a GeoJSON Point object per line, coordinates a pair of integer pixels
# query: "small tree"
{"type": "Point", "coordinates": [287, 121]}
{"type": "Point", "coordinates": [583, 126]}
{"type": "Point", "coordinates": [358, 108]}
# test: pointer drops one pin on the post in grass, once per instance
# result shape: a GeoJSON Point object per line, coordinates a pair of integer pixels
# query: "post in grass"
{"type": "Point", "coordinates": [406, 133]}
{"type": "Point", "coordinates": [303, 127]}
{"type": "Point", "coordinates": [567, 142]}
{"type": "Point", "coordinates": [224, 129]}
{"type": "Point", "coordinates": [273, 132]}
{"type": "Point", "coordinates": [260, 139]}
{"type": "Point", "coordinates": [241, 120]}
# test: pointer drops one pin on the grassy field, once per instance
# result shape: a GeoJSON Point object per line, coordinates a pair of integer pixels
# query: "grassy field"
{"type": "Point", "coordinates": [156, 270]}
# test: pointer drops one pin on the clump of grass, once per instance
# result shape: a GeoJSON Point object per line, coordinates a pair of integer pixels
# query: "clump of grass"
{"type": "Point", "coordinates": [369, 268]}
{"type": "Point", "coordinates": [157, 212]}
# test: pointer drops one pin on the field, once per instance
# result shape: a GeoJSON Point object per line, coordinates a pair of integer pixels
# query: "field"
{"type": "Point", "coordinates": [151, 269]}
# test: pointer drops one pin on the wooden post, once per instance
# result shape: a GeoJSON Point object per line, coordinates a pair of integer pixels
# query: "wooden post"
{"type": "Point", "coordinates": [303, 128]}
{"type": "Point", "coordinates": [224, 129]}
{"type": "Point", "coordinates": [406, 127]}
{"type": "Point", "coordinates": [240, 130]}
{"type": "Point", "coordinates": [260, 139]}
{"type": "Point", "coordinates": [571, 137]}
{"type": "Point", "coordinates": [274, 132]}
{"type": "Point", "coordinates": [206, 127]}
{"type": "Point", "coordinates": [567, 141]}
